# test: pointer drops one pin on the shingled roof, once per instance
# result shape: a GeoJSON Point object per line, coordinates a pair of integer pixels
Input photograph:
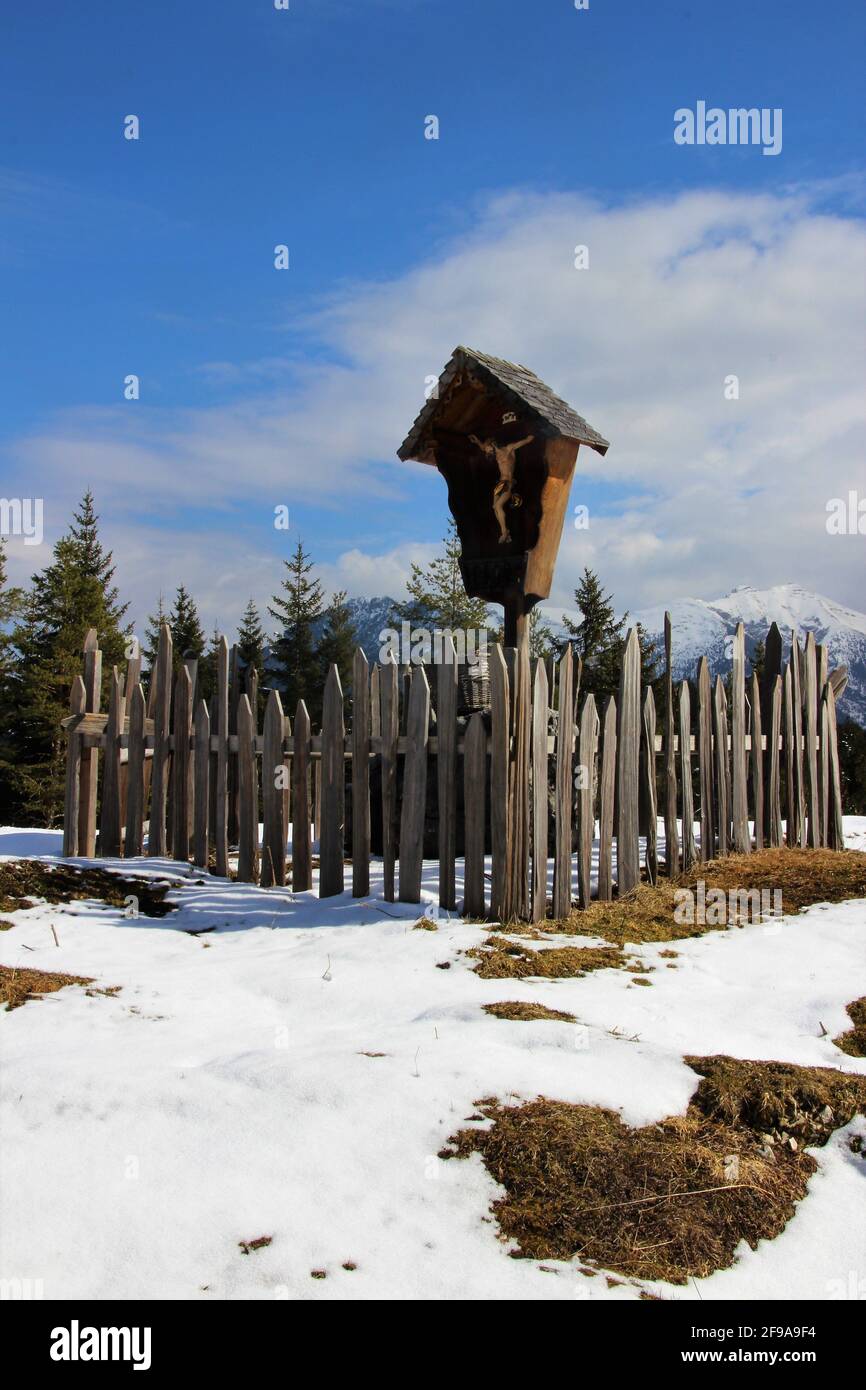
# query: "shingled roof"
{"type": "Point", "coordinates": [522, 388]}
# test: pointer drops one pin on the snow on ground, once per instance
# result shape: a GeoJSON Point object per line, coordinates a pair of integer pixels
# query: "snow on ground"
{"type": "Point", "coordinates": [224, 1093]}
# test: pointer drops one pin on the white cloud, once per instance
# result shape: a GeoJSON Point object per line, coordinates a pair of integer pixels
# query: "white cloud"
{"type": "Point", "coordinates": [680, 293]}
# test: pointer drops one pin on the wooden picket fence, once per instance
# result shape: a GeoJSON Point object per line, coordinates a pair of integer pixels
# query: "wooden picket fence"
{"type": "Point", "coordinates": [183, 777]}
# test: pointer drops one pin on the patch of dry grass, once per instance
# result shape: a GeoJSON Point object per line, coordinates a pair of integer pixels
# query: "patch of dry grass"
{"type": "Point", "coordinates": [670, 1200]}
{"type": "Point", "coordinates": [854, 1041]}
{"type": "Point", "coordinates": [526, 1013]}
{"type": "Point", "coordinates": [17, 987]}
{"type": "Point", "coordinates": [501, 959]}
{"type": "Point", "coordinates": [803, 876]}
{"type": "Point", "coordinates": [23, 880]}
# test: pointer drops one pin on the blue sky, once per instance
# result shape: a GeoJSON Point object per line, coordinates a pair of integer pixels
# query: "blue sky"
{"type": "Point", "coordinates": [306, 127]}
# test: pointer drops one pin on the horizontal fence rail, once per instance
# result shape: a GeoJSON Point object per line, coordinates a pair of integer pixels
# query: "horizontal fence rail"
{"type": "Point", "coordinates": [541, 775]}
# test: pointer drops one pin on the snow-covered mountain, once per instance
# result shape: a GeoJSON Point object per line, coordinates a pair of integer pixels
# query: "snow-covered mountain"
{"type": "Point", "coordinates": [700, 628]}
{"type": "Point", "coordinates": [370, 616]}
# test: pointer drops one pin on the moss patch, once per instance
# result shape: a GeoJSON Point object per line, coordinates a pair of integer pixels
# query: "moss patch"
{"type": "Point", "coordinates": [527, 1013]}
{"type": "Point", "coordinates": [669, 1200]}
{"type": "Point", "coordinates": [803, 876]}
{"type": "Point", "coordinates": [23, 880]}
{"type": "Point", "coordinates": [854, 1041]}
{"type": "Point", "coordinates": [501, 959]}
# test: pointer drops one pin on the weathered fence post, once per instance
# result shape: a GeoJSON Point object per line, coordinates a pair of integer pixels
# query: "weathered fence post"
{"type": "Point", "coordinates": [77, 707]}
{"type": "Point", "coordinates": [539, 792]}
{"type": "Point", "coordinates": [672, 847]}
{"type": "Point", "coordinates": [414, 788]}
{"type": "Point", "coordinates": [518, 793]}
{"type": "Point", "coordinates": [648, 774]}
{"type": "Point", "coordinates": [500, 725]}
{"type": "Point", "coordinates": [564, 788]}
{"type": "Point", "coordinates": [360, 775]}
{"type": "Point", "coordinates": [136, 786]}
{"type": "Point", "coordinates": [156, 839]}
{"type": "Point", "coordinates": [221, 805]}
{"type": "Point", "coordinates": [720, 740]}
{"type": "Point", "coordinates": [688, 828]}
{"type": "Point", "coordinates": [757, 763]}
{"type": "Point", "coordinates": [799, 776]}
{"type": "Point", "coordinates": [628, 764]}
{"type": "Point", "coordinates": [588, 748]}
{"type": "Point", "coordinates": [474, 797]}
{"type": "Point", "coordinates": [389, 689]}
{"type": "Point", "coordinates": [333, 797]}
{"type": "Point", "coordinates": [446, 770]}
{"type": "Point", "coordinates": [302, 849]}
{"type": "Point", "coordinates": [774, 789]}
{"type": "Point", "coordinates": [742, 838]}
{"type": "Point", "coordinates": [248, 799]}
{"type": "Point", "coordinates": [274, 784]}
{"type": "Point", "coordinates": [109, 820]}
{"type": "Point", "coordinates": [201, 793]}
{"type": "Point", "coordinates": [836, 827]}
{"type": "Point", "coordinates": [180, 767]}
{"type": "Point", "coordinates": [705, 759]}
{"type": "Point", "coordinates": [90, 756]}
{"type": "Point", "coordinates": [606, 799]}
{"type": "Point", "coordinates": [810, 699]}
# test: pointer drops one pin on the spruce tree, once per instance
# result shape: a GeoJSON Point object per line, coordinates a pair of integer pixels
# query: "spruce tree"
{"type": "Point", "coordinates": [75, 592]}
{"type": "Point", "coordinates": [338, 641]}
{"type": "Point", "coordinates": [186, 628]}
{"type": "Point", "coordinates": [251, 649]}
{"type": "Point", "coordinates": [436, 595]}
{"type": "Point", "coordinates": [541, 639]}
{"type": "Point", "coordinates": [150, 645]}
{"type": "Point", "coordinates": [599, 640]}
{"type": "Point", "coordinates": [296, 609]}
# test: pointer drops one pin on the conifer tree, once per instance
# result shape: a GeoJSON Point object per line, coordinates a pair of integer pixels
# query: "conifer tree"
{"type": "Point", "coordinates": [74, 592]}
{"type": "Point", "coordinates": [186, 628]}
{"type": "Point", "coordinates": [436, 595]}
{"type": "Point", "coordinates": [11, 602]}
{"type": "Point", "coordinates": [150, 645]}
{"type": "Point", "coordinates": [599, 640]}
{"type": "Point", "coordinates": [338, 641]}
{"type": "Point", "coordinates": [251, 651]}
{"type": "Point", "coordinates": [296, 609]}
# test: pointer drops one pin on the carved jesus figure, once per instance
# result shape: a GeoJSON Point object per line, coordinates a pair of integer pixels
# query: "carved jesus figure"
{"type": "Point", "coordinates": [503, 492]}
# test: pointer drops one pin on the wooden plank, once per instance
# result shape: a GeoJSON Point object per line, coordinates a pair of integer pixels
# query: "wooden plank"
{"type": "Point", "coordinates": [690, 853]}
{"type": "Point", "coordinates": [360, 775]}
{"type": "Point", "coordinates": [248, 799]}
{"type": "Point", "coordinates": [628, 763]}
{"type": "Point", "coordinates": [135, 776]}
{"type": "Point", "coordinates": [499, 744]}
{"type": "Point", "coordinates": [375, 705]}
{"type": "Point", "coordinates": [233, 770]}
{"type": "Point", "coordinates": [274, 806]}
{"type": "Point", "coordinates": [390, 721]}
{"type": "Point", "coordinates": [705, 759]}
{"type": "Point", "coordinates": [446, 770]}
{"type": "Point", "coordinates": [302, 848]}
{"type": "Point", "coordinates": [413, 810]}
{"type": "Point", "coordinates": [156, 839]}
{"type": "Point", "coordinates": [606, 800]}
{"type": "Point", "coordinates": [333, 798]}
{"type": "Point", "coordinates": [648, 776]}
{"type": "Point", "coordinates": [110, 821]}
{"type": "Point", "coordinates": [317, 799]}
{"type": "Point", "coordinates": [539, 793]}
{"type": "Point", "coordinates": [672, 844]}
{"type": "Point", "coordinates": [517, 878]}
{"type": "Point", "coordinates": [799, 772]}
{"type": "Point", "coordinates": [201, 792]}
{"type": "Point", "coordinates": [788, 734]}
{"type": "Point", "coordinates": [221, 804]}
{"type": "Point", "coordinates": [89, 779]}
{"type": "Point", "coordinates": [720, 742]}
{"type": "Point", "coordinates": [474, 798]}
{"type": "Point", "coordinates": [757, 762]}
{"type": "Point", "coordinates": [72, 799]}
{"type": "Point", "coordinates": [740, 809]}
{"type": "Point", "coordinates": [822, 676]}
{"type": "Point", "coordinates": [564, 788]}
{"type": "Point", "coordinates": [835, 824]}
{"type": "Point", "coordinates": [774, 781]}
{"type": "Point", "coordinates": [810, 704]}
{"type": "Point", "coordinates": [588, 751]}
{"type": "Point", "coordinates": [772, 669]}
{"type": "Point", "coordinates": [180, 768]}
